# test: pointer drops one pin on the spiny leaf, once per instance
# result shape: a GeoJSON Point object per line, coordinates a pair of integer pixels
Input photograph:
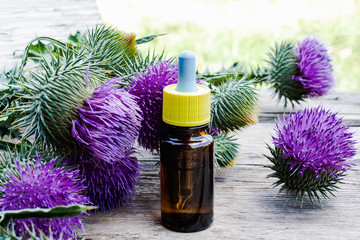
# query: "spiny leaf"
{"type": "Point", "coordinates": [4, 145]}
{"type": "Point", "coordinates": [258, 75]}
{"type": "Point", "coordinates": [39, 49]}
{"type": "Point", "coordinates": [216, 79]}
{"type": "Point", "coordinates": [9, 99]}
{"type": "Point", "coordinates": [148, 38]}
{"type": "Point", "coordinates": [237, 70]}
{"type": "Point", "coordinates": [38, 53]}
{"type": "Point", "coordinates": [141, 63]}
{"type": "Point", "coordinates": [55, 212]}
{"type": "Point", "coordinates": [74, 39]}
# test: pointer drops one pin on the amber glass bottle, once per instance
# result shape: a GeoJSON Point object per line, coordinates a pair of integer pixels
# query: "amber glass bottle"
{"type": "Point", "coordinates": [187, 153]}
{"type": "Point", "coordinates": [187, 179]}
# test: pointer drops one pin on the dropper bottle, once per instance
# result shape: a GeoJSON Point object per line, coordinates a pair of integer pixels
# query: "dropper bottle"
{"type": "Point", "coordinates": [187, 153]}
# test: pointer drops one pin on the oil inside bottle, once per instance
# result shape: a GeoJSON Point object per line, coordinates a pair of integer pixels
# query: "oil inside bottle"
{"type": "Point", "coordinates": [187, 182]}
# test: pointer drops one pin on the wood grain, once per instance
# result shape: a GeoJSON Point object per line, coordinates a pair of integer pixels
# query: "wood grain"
{"type": "Point", "coordinates": [23, 20]}
{"type": "Point", "coordinates": [345, 103]}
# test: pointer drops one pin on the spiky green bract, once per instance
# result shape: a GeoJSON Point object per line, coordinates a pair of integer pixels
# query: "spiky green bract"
{"type": "Point", "coordinates": [139, 65]}
{"type": "Point", "coordinates": [148, 38]}
{"type": "Point", "coordinates": [7, 164]}
{"type": "Point", "coordinates": [61, 211]}
{"type": "Point", "coordinates": [233, 104]}
{"type": "Point", "coordinates": [9, 233]}
{"type": "Point", "coordinates": [226, 150]}
{"type": "Point", "coordinates": [110, 46]}
{"type": "Point", "coordinates": [24, 154]}
{"type": "Point", "coordinates": [309, 183]}
{"type": "Point", "coordinates": [283, 67]}
{"type": "Point", "coordinates": [52, 93]}
{"type": "Point", "coordinates": [115, 49]}
{"type": "Point", "coordinates": [108, 185]}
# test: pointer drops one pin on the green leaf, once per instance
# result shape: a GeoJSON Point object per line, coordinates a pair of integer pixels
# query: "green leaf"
{"type": "Point", "coordinates": [4, 145]}
{"type": "Point", "coordinates": [74, 39]}
{"type": "Point", "coordinates": [148, 38]}
{"type": "Point", "coordinates": [9, 99]}
{"type": "Point", "coordinates": [55, 212]}
{"type": "Point", "coordinates": [37, 51]}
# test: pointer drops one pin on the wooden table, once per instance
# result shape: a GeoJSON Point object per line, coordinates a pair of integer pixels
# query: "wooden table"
{"type": "Point", "coordinates": [246, 205]}
{"type": "Point", "coordinates": [21, 21]}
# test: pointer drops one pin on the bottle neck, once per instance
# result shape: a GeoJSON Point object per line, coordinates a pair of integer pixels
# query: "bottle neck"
{"type": "Point", "coordinates": [186, 132]}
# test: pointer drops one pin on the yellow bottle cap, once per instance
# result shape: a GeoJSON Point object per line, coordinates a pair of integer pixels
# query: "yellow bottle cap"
{"type": "Point", "coordinates": [186, 104]}
{"type": "Point", "coordinates": [186, 109]}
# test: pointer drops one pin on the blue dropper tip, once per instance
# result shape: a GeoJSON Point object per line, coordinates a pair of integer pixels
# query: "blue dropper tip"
{"type": "Point", "coordinates": [187, 72]}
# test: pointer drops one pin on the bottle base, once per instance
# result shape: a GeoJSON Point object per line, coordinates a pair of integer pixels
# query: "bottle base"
{"type": "Point", "coordinates": [187, 222]}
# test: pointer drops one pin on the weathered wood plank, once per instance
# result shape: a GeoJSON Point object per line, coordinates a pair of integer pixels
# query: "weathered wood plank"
{"type": "Point", "coordinates": [346, 103]}
{"type": "Point", "coordinates": [246, 205]}
{"type": "Point", "coordinates": [22, 21]}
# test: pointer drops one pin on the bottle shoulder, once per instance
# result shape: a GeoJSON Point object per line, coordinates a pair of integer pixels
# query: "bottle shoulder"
{"type": "Point", "coordinates": [201, 140]}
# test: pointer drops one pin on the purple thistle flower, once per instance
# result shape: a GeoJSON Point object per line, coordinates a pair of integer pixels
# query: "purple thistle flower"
{"type": "Point", "coordinates": [314, 63]}
{"type": "Point", "coordinates": [215, 132]}
{"type": "Point", "coordinates": [109, 185]}
{"type": "Point", "coordinates": [315, 139]}
{"type": "Point", "coordinates": [109, 122]}
{"type": "Point", "coordinates": [148, 88]}
{"type": "Point", "coordinates": [43, 186]}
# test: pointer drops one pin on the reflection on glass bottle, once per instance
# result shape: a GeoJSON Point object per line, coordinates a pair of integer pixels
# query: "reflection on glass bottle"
{"type": "Point", "coordinates": [185, 188]}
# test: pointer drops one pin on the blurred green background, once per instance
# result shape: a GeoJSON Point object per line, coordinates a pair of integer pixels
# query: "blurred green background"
{"type": "Point", "coordinates": [222, 32]}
